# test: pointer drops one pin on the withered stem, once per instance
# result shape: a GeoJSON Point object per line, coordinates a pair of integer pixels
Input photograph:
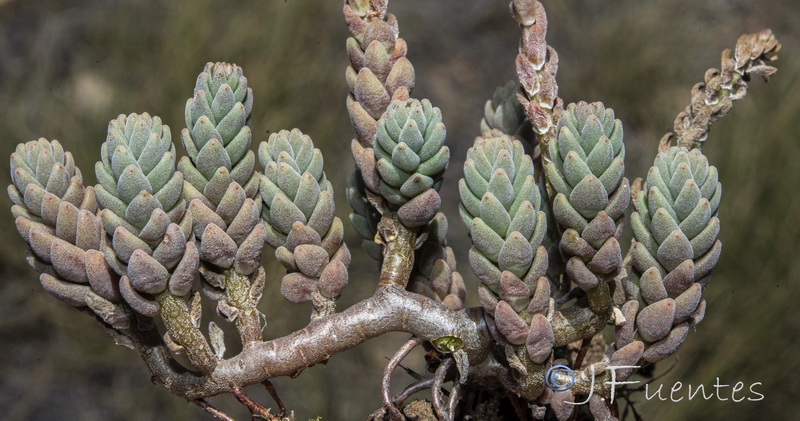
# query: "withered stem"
{"type": "Point", "coordinates": [387, 376]}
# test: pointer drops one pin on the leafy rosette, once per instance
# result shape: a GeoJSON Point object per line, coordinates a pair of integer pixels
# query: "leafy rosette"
{"type": "Point", "coordinates": [221, 186]}
{"type": "Point", "coordinates": [142, 210]}
{"type": "Point", "coordinates": [501, 206]}
{"type": "Point", "coordinates": [217, 138]}
{"type": "Point", "coordinates": [411, 159]}
{"type": "Point", "coordinates": [40, 169]}
{"type": "Point", "coordinates": [675, 227]}
{"type": "Point", "coordinates": [151, 248]}
{"type": "Point", "coordinates": [139, 188]}
{"type": "Point", "coordinates": [298, 214]}
{"type": "Point", "coordinates": [585, 169]}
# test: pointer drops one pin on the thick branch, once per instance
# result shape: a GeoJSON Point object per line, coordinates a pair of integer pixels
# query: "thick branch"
{"type": "Point", "coordinates": [391, 309]}
{"type": "Point", "coordinates": [398, 253]}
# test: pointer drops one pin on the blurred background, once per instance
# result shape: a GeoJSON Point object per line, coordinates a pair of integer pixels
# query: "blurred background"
{"type": "Point", "coordinates": [68, 67]}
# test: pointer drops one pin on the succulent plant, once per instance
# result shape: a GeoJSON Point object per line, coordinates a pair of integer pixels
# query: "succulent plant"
{"type": "Point", "coordinates": [378, 74]}
{"type": "Point", "coordinates": [379, 71]}
{"type": "Point", "coordinates": [217, 138]}
{"type": "Point", "coordinates": [675, 228]}
{"type": "Point", "coordinates": [55, 216]}
{"type": "Point", "coordinates": [128, 250]}
{"type": "Point", "coordinates": [298, 214]}
{"type": "Point", "coordinates": [501, 207]}
{"type": "Point", "coordinates": [675, 221]}
{"type": "Point", "coordinates": [139, 191]}
{"type": "Point", "coordinates": [40, 167]}
{"type": "Point", "coordinates": [151, 248]}
{"type": "Point", "coordinates": [585, 171]}
{"type": "Point", "coordinates": [137, 176]}
{"type": "Point", "coordinates": [411, 158]}
{"type": "Point", "coordinates": [221, 186]}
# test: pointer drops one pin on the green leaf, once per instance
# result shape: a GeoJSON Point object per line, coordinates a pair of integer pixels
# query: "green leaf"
{"type": "Point", "coordinates": [589, 196]}
{"type": "Point", "coordinates": [516, 255]}
{"type": "Point", "coordinates": [411, 134]}
{"type": "Point", "coordinates": [575, 168]}
{"type": "Point", "coordinates": [470, 202]}
{"type": "Point", "coordinates": [434, 140]}
{"type": "Point", "coordinates": [494, 214]}
{"type": "Point", "coordinates": [486, 239]}
{"type": "Point", "coordinates": [436, 164]}
{"type": "Point", "coordinates": [500, 186]}
{"type": "Point", "coordinates": [233, 123]}
{"type": "Point", "coordinates": [405, 158]}
{"type": "Point", "coordinates": [415, 185]}
{"type": "Point", "coordinates": [131, 182]}
{"type": "Point", "coordinates": [223, 102]}
{"type": "Point", "coordinates": [211, 157]}
{"type": "Point", "coordinates": [600, 157]}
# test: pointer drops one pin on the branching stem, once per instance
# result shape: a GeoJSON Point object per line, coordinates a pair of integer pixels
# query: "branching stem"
{"type": "Point", "coordinates": [211, 410]}
{"type": "Point", "coordinates": [391, 309]}
{"type": "Point", "coordinates": [175, 314]}
{"type": "Point", "coordinates": [274, 393]}
{"type": "Point", "coordinates": [248, 321]}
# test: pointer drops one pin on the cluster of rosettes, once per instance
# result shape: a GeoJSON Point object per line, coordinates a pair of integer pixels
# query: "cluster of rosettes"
{"type": "Point", "coordinates": [675, 228]}
{"type": "Point", "coordinates": [411, 159]}
{"type": "Point", "coordinates": [217, 138]}
{"type": "Point", "coordinates": [501, 206]}
{"type": "Point", "coordinates": [298, 214]}
{"type": "Point", "coordinates": [146, 260]}
{"type": "Point", "coordinates": [585, 170]}
{"type": "Point", "coordinates": [55, 215]}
